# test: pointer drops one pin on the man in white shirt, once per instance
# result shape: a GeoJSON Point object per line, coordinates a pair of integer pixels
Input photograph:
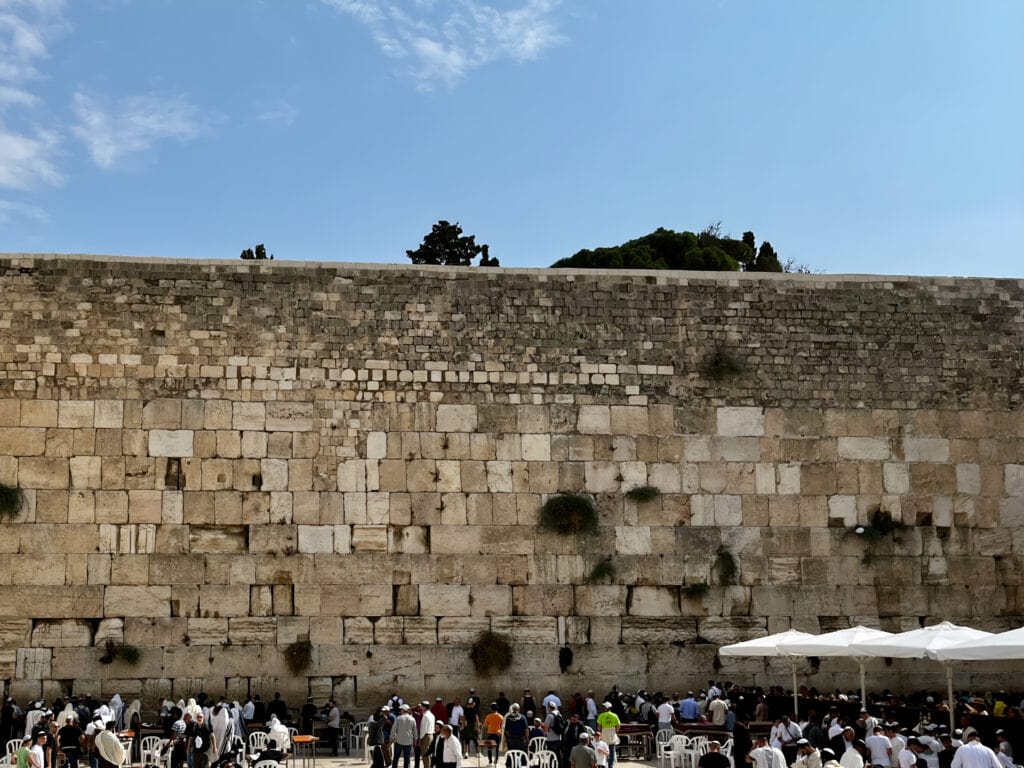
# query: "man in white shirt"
{"type": "Point", "coordinates": [591, 712]}
{"type": "Point", "coordinates": [248, 710]}
{"type": "Point", "coordinates": [974, 754]}
{"type": "Point", "coordinates": [908, 755]}
{"type": "Point", "coordinates": [764, 756]}
{"type": "Point", "coordinates": [717, 709]}
{"type": "Point", "coordinates": [806, 755]}
{"type": "Point", "coordinates": [456, 714]}
{"type": "Point", "coordinates": [666, 714]}
{"type": "Point", "coordinates": [426, 734]}
{"type": "Point", "coordinates": [879, 748]}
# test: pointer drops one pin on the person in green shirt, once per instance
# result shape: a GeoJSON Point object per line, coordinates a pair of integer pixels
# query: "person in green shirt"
{"type": "Point", "coordinates": [24, 753]}
{"type": "Point", "coordinates": [608, 722]}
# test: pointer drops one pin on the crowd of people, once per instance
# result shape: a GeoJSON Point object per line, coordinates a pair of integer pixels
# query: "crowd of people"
{"type": "Point", "coordinates": [583, 731]}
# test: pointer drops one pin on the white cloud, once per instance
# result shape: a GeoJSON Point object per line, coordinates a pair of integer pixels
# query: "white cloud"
{"type": "Point", "coordinates": [132, 125]}
{"type": "Point", "coordinates": [446, 40]}
{"type": "Point", "coordinates": [11, 209]}
{"type": "Point", "coordinates": [27, 160]}
{"type": "Point", "coordinates": [281, 112]}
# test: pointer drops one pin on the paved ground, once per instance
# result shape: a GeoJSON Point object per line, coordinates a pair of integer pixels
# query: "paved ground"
{"type": "Point", "coordinates": [357, 762]}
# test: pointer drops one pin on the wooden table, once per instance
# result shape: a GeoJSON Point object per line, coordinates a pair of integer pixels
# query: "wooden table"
{"type": "Point", "coordinates": [304, 748]}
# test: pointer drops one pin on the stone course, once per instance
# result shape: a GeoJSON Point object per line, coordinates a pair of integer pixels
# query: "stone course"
{"type": "Point", "coordinates": [219, 459]}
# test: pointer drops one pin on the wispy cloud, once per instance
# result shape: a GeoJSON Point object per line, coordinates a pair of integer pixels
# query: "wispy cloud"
{"type": "Point", "coordinates": [115, 130]}
{"type": "Point", "coordinates": [446, 40]}
{"type": "Point", "coordinates": [28, 160]}
{"type": "Point", "coordinates": [27, 153]}
{"type": "Point", "coordinates": [281, 112]}
{"type": "Point", "coordinates": [12, 209]}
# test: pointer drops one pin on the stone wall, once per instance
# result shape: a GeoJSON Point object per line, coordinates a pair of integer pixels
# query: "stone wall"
{"type": "Point", "coordinates": [219, 459]}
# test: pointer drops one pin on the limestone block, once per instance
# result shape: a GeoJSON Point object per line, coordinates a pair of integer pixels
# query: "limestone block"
{"type": "Point", "coordinates": [369, 538]}
{"type": "Point", "coordinates": [601, 476]}
{"type": "Point", "coordinates": [444, 600]}
{"type": "Point", "coordinates": [740, 421]}
{"type": "Point", "coordinates": [316, 538]}
{"type": "Point", "coordinates": [896, 478]}
{"type": "Point", "coordinates": [594, 420]}
{"type": "Point", "coordinates": [357, 600]}
{"type": "Point", "coordinates": [23, 441]}
{"type": "Point", "coordinates": [249, 416]}
{"type": "Point", "coordinates": [217, 538]}
{"type": "Point", "coordinates": [171, 442]}
{"type": "Point", "coordinates": [843, 508]}
{"type": "Point", "coordinates": [461, 630]}
{"type": "Point", "coordinates": [219, 600]}
{"type": "Point", "coordinates": [541, 600]}
{"type": "Point", "coordinates": [637, 630]}
{"type": "Point", "coordinates": [456, 418]}
{"type": "Point", "coordinates": [85, 471]}
{"type": "Point", "coordinates": [289, 417]}
{"type": "Point", "coordinates": [358, 631]}
{"type": "Point", "coordinates": [863, 448]}
{"type": "Point", "coordinates": [41, 473]}
{"type": "Point", "coordinates": [632, 540]}
{"type": "Point", "coordinates": [419, 630]}
{"type": "Point", "coordinates": [728, 510]}
{"type": "Point", "coordinates": [76, 414]}
{"type": "Point", "coordinates": [527, 630]}
{"type": "Point", "coordinates": [600, 600]}
{"type": "Point", "coordinates": [1011, 512]}
{"type": "Point", "coordinates": [968, 479]}
{"type": "Point", "coordinates": [207, 631]}
{"type": "Point", "coordinates": [274, 474]}
{"type": "Point", "coordinates": [138, 601]}
{"type": "Point", "coordinates": [34, 663]}
{"type": "Point", "coordinates": [934, 449]}
{"type": "Point", "coordinates": [653, 601]}
{"type": "Point", "coordinates": [736, 449]}
{"type": "Point", "coordinates": [39, 413]}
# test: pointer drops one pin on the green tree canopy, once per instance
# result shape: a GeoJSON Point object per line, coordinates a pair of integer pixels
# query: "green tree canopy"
{"type": "Point", "coordinates": [259, 253]}
{"type": "Point", "coordinates": [667, 249]}
{"type": "Point", "coordinates": [445, 244]}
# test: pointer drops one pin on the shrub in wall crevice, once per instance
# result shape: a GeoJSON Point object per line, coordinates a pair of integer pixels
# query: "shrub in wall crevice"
{"type": "Point", "coordinates": [491, 653]}
{"type": "Point", "coordinates": [569, 513]}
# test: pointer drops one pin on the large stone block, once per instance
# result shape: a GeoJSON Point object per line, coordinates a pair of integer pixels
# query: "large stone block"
{"type": "Point", "coordinates": [740, 421]}
{"type": "Point", "coordinates": [137, 601]}
{"type": "Point", "coordinates": [171, 442]}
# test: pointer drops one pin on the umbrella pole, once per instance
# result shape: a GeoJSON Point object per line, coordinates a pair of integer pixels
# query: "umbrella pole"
{"type": "Point", "coordinates": [863, 698]}
{"type": "Point", "coordinates": [949, 695]}
{"type": "Point", "coordinates": [796, 698]}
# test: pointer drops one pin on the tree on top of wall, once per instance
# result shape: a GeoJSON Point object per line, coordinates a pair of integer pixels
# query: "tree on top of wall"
{"type": "Point", "coordinates": [446, 245]}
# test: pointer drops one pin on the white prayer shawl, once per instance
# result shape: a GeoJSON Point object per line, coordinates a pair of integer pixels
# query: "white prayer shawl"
{"type": "Point", "coordinates": [192, 708]}
{"type": "Point", "coordinates": [62, 716]}
{"type": "Point", "coordinates": [220, 723]}
{"type": "Point", "coordinates": [279, 733]}
{"type": "Point", "coordinates": [135, 708]}
{"type": "Point", "coordinates": [236, 720]}
{"type": "Point", "coordinates": [116, 709]}
{"type": "Point", "coordinates": [32, 717]}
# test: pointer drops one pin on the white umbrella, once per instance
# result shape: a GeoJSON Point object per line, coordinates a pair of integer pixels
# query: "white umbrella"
{"type": "Point", "coordinates": [837, 644]}
{"type": "Point", "coordinates": [769, 646]}
{"type": "Point", "coordinates": [1004, 645]}
{"type": "Point", "coordinates": [919, 643]}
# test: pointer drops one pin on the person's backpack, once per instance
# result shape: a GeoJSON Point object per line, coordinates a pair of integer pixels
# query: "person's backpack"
{"type": "Point", "coordinates": [558, 724]}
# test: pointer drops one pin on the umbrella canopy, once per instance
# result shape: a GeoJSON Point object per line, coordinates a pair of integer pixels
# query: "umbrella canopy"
{"type": "Point", "coordinates": [927, 641]}
{"type": "Point", "coordinates": [1004, 645]}
{"type": "Point", "coordinates": [838, 644]}
{"type": "Point", "coordinates": [769, 646]}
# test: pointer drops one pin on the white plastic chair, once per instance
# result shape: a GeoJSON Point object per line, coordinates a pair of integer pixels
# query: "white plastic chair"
{"type": "Point", "coordinates": [697, 747]}
{"type": "Point", "coordinates": [268, 764]}
{"type": "Point", "coordinates": [12, 746]}
{"type": "Point", "coordinates": [661, 742]}
{"type": "Point", "coordinates": [727, 750]}
{"type": "Point", "coordinates": [545, 758]}
{"type": "Point", "coordinates": [676, 750]}
{"type": "Point", "coordinates": [517, 758]}
{"type": "Point", "coordinates": [257, 741]}
{"type": "Point", "coordinates": [150, 750]}
{"type": "Point", "coordinates": [537, 743]}
{"type": "Point", "coordinates": [237, 744]}
{"type": "Point", "coordinates": [127, 744]}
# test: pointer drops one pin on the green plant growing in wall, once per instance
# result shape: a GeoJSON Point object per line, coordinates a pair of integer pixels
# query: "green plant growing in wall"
{"type": "Point", "coordinates": [726, 567]}
{"type": "Point", "coordinates": [11, 501]}
{"type": "Point", "coordinates": [695, 591]}
{"type": "Point", "coordinates": [569, 513]}
{"type": "Point", "coordinates": [299, 656]}
{"type": "Point", "coordinates": [722, 364]}
{"type": "Point", "coordinates": [642, 494]}
{"type": "Point", "coordinates": [603, 570]}
{"type": "Point", "coordinates": [881, 526]}
{"type": "Point", "coordinates": [491, 653]}
{"type": "Point", "coordinates": [113, 651]}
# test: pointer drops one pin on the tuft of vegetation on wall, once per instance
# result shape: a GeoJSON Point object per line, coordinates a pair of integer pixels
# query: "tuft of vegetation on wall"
{"type": "Point", "coordinates": [491, 653]}
{"type": "Point", "coordinates": [603, 570]}
{"type": "Point", "coordinates": [569, 513]}
{"type": "Point", "coordinates": [642, 494]}
{"type": "Point", "coordinates": [299, 656]}
{"type": "Point", "coordinates": [11, 501]}
{"type": "Point", "coordinates": [722, 364]}
{"type": "Point", "coordinates": [726, 567]}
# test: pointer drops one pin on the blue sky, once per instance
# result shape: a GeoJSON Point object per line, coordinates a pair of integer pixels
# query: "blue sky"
{"type": "Point", "coordinates": [879, 136]}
